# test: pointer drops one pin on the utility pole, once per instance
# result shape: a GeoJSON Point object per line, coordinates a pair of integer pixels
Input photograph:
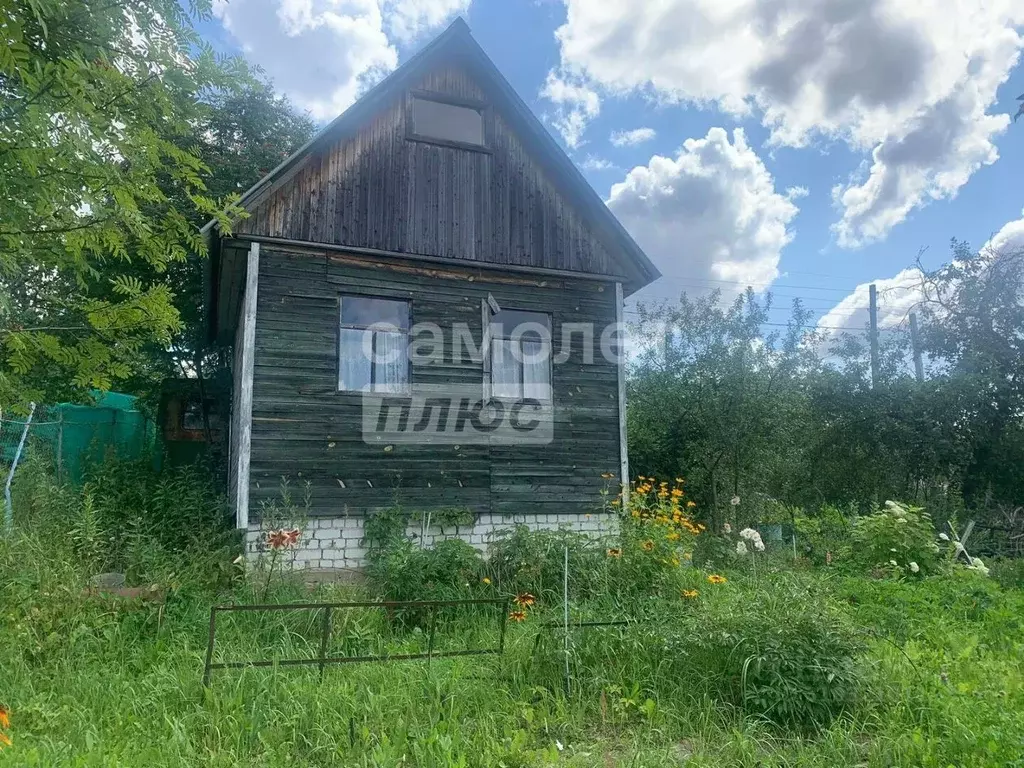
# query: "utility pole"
{"type": "Point", "coordinates": [915, 345]}
{"type": "Point", "coordinates": [873, 333]}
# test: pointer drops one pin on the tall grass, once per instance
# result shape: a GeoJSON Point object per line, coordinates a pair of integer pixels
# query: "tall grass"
{"type": "Point", "coordinates": [94, 682]}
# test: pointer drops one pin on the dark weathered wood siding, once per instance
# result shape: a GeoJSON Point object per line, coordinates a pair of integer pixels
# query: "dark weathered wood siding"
{"type": "Point", "coordinates": [306, 431]}
{"type": "Point", "coordinates": [380, 190]}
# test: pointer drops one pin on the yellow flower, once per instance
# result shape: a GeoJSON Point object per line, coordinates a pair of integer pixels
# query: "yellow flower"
{"type": "Point", "coordinates": [524, 600]}
{"type": "Point", "coordinates": [691, 504]}
{"type": "Point", "coordinates": [679, 479]}
{"type": "Point", "coordinates": [648, 546]}
{"type": "Point", "coordinates": [677, 492]}
{"type": "Point", "coordinates": [689, 594]}
{"type": "Point", "coordinates": [5, 740]}
{"type": "Point", "coordinates": [5, 717]}
{"type": "Point", "coordinates": [674, 536]}
{"type": "Point", "coordinates": [616, 502]}
{"type": "Point", "coordinates": [485, 580]}
{"type": "Point", "coordinates": [675, 561]}
{"type": "Point", "coordinates": [517, 615]}
{"type": "Point", "coordinates": [714, 578]}
{"type": "Point", "coordinates": [614, 552]}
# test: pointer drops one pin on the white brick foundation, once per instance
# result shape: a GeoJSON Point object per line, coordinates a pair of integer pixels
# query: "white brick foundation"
{"type": "Point", "coordinates": [337, 542]}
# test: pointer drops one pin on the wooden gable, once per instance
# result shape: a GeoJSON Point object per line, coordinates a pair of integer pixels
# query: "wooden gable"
{"type": "Point", "coordinates": [381, 189]}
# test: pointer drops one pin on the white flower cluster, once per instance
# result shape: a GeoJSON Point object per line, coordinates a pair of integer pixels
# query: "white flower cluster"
{"type": "Point", "coordinates": [753, 537]}
{"type": "Point", "coordinates": [977, 565]}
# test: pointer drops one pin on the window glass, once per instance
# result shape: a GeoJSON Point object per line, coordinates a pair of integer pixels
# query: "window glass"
{"type": "Point", "coordinates": [506, 370]}
{"type": "Point", "coordinates": [364, 311]}
{"type": "Point", "coordinates": [192, 415]}
{"type": "Point", "coordinates": [521, 354]}
{"type": "Point", "coordinates": [437, 120]}
{"type": "Point", "coordinates": [373, 341]}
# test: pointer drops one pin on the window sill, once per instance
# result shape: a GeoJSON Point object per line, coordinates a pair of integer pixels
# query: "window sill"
{"type": "Point", "coordinates": [449, 144]}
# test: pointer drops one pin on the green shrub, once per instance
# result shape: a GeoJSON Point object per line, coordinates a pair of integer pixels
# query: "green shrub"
{"type": "Point", "coordinates": [1008, 571]}
{"type": "Point", "coordinates": [818, 535]}
{"type": "Point", "coordinates": [897, 539]}
{"type": "Point", "coordinates": [785, 655]}
{"type": "Point", "coordinates": [523, 560]}
{"type": "Point", "coordinates": [127, 516]}
{"type": "Point", "coordinates": [643, 560]}
{"type": "Point", "coordinates": [451, 569]}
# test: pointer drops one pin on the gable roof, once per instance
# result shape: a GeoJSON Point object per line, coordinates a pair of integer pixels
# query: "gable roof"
{"type": "Point", "coordinates": [457, 41]}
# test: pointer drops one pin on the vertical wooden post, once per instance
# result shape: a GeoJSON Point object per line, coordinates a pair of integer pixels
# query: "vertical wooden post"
{"type": "Point", "coordinates": [623, 455]}
{"type": "Point", "coordinates": [245, 371]}
{"type": "Point", "coordinates": [873, 332]}
{"type": "Point", "coordinates": [915, 345]}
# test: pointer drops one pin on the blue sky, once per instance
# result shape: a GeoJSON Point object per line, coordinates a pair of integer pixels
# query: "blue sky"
{"type": "Point", "coordinates": [871, 130]}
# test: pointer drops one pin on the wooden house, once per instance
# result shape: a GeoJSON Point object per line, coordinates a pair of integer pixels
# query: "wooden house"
{"type": "Point", "coordinates": [437, 201]}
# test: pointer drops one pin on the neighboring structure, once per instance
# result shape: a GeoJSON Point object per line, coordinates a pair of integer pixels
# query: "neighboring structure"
{"type": "Point", "coordinates": [397, 302]}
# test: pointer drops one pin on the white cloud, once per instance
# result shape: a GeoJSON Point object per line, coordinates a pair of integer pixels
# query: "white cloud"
{"type": "Point", "coordinates": [594, 163]}
{"type": "Point", "coordinates": [710, 213]}
{"type": "Point", "coordinates": [897, 297]}
{"type": "Point", "coordinates": [324, 53]}
{"type": "Point", "coordinates": [576, 105]}
{"type": "Point", "coordinates": [407, 19]}
{"type": "Point", "coordinates": [633, 137]}
{"type": "Point", "coordinates": [1008, 239]}
{"type": "Point", "coordinates": [909, 80]}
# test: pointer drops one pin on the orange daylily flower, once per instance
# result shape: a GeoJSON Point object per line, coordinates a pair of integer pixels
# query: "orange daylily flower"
{"type": "Point", "coordinates": [524, 600]}
{"type": "Point", "coordinates": [517, 615]}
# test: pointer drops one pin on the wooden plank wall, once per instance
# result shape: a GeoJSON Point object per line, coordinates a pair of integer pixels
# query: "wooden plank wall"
{"type": "Point", "coordinates": [306, 431]}
{"type": "Point", "coordinates": [380, 190]}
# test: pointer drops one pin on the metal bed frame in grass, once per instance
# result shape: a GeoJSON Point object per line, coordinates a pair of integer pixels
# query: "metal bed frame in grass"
{"type": "Point", "coordinates": [322, 659]}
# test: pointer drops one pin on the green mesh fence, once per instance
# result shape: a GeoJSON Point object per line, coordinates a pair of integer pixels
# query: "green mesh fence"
{"type": "Point", "coordinates": [73, 435]}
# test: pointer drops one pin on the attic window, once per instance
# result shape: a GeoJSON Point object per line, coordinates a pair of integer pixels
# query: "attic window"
{"type": "Point", "coordinates": [445, 122]}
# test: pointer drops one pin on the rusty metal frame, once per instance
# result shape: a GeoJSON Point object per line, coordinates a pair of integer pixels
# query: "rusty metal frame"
{"type": "Point", "coordinates": [322, 659]}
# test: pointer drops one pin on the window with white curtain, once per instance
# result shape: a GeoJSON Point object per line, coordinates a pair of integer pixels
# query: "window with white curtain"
{"type": "Point", "coordinates": [521, 355]}
{"type": "Point", "coordinates": [373, 345]}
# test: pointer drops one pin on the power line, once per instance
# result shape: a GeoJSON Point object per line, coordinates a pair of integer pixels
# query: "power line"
{"type": "Point", "coordinates": [682, 279]}
{"type": "Point", "coordinates": [787, 325]}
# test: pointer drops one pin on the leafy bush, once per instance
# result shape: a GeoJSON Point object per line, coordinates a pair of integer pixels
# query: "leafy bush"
{"type": "Point", "coordinates": [818, 535]}
{"type": "Point", "coordinates": [788, 657]}
{"type": "Point", "coordinates": [1008, 571]}
{"type": "Point", "coordinates": [127, 515]}
{"type": "Point", "coordinates": [897, 539]}
{"type": "Point", "coordinates": [451, 569]}
{"type": "Point", "coordinates": [524, 560]}
{"type": "Point", "coordinates": [400, 569]}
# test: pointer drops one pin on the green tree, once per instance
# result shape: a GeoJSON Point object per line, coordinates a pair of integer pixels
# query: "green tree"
{"type": "Point", "coordinates": [712, 397]}
{"type": "Point", "coordinates": [239, 135]}
{"type": "Point", "coordinates": [973, 312]}
{"type": "Point", "coordinates": [100, 183]}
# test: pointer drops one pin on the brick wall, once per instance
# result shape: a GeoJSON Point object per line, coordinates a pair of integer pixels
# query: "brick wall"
{"type": "Point", "coordinates": [337, 542]}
